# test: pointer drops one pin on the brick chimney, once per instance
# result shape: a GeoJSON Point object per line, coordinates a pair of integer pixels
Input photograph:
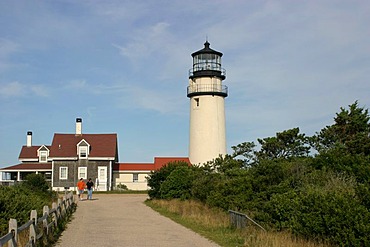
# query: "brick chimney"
{"type": "Point", "coordinates": [78, 126]}
{"type": "Point", "coordinates": [29, 138]}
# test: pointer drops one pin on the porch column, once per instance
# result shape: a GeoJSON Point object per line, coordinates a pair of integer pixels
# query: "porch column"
{"type": "Point", "coordinates": [110, 175]}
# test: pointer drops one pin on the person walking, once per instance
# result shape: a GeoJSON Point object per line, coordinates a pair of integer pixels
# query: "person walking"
{"type": "Point", "coordinates": [80, 188]}
{"type": "Point", "coordinates": [89, 186]}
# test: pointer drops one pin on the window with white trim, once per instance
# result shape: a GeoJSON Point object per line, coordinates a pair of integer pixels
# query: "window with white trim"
{"type": "Point", "coordinates": [82, 172]}
{"type": "Point", "coordinates": [83, 149]}
{"type": "Point", "coordinates": [82, 152]}
{"type": "Point", "coordinates": [135, 177]}
{"type": "Point", "coordinates": [43, 156]}
{"type": "Point", "coordinates": [63, 172]}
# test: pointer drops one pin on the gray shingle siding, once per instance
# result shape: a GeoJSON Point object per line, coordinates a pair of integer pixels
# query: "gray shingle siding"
{"type": "Point", "coordinates": [72, 178]}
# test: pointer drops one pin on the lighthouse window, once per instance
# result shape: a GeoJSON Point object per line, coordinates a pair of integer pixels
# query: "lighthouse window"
{"type": "Point", "coordinates": [197, 102]}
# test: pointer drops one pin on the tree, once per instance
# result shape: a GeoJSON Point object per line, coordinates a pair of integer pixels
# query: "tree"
{"type": "Point", "coordinates": [247, 151]}
{"type": "Point", "coordinates": [223, 164]}
{"type": "Point", "coordinates": [286, 144]}
{"type": "Point", "coordinates": [350, 132]}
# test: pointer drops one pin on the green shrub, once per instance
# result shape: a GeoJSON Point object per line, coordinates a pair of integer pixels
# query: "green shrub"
{"type": "Point", "coordinates": [177, 184]}
{"type": "Point", "coordinates": [232, 192]}
{"type": "Point", "coordinates": [122, 186]}
{"type": "Point", "coordinates": [204, 184]}
{"type": "Point", "coordinates": [17, 202]}
{"type": "Point", "coordinates": [329, 211]}
{"type": "Point", "coordinates": [156, 178]}
{"type": "Point", "coordinates": [36, 182]}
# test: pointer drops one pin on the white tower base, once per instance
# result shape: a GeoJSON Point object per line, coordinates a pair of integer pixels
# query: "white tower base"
{"type": "Point", "coordinates": [207, 128]}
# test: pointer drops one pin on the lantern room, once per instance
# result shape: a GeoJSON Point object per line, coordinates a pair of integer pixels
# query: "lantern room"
{"type": "Point", "coordinates": [207, 62]}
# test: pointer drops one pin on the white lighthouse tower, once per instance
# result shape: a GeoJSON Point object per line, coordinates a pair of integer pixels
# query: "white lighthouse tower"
{"type": "Point", "coordinates": [207, 106]}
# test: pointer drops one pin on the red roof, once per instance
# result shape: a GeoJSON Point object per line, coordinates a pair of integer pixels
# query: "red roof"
{"type": "Point", "coordinates": [158, 163]}
{"type": "Point", "coordinates": [30, 152]}
{"type": "Point", "coordinates": [29, 166]}
{"type": "Point", "coordinates": [161, 161]}
{"type": "Point", "coordinates": [101, 145]}
{"type": "Point", "coordinates": [133, 167]}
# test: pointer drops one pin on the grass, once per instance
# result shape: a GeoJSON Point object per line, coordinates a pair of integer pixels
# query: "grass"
{"type": "Point", "coordinates": [214, 224]}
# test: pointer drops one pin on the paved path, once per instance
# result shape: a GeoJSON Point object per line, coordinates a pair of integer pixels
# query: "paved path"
{"type": "Point", "coordinates": [124, 220]}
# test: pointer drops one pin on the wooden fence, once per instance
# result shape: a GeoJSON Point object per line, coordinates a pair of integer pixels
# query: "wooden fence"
{"type": "Point", "coordinates": [239, 220]}
{"type": "Point", "coordinates": [39, 227]}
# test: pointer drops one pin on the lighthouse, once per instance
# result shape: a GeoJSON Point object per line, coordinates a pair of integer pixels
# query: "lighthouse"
{"type": "Point", "coordinates": [207, 106]}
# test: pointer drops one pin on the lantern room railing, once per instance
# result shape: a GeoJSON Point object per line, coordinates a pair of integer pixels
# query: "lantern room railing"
{"type": "Point", "coordinates": [207, 89]}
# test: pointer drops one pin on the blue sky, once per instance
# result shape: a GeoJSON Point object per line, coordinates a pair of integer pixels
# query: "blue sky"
{"type": "Point", "coordinates": [122, 66]}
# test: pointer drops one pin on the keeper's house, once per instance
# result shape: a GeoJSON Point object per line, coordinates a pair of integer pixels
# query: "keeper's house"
{"type": "Point", "coordinates": [74, 156]}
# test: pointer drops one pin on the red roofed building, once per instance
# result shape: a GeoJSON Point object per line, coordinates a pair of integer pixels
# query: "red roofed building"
{"type": "Point", "coordinates": [134, 175]}
{"type": "Point", "coordinates": [74, 156]}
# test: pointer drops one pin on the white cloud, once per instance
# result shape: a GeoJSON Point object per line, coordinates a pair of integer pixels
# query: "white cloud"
{"type": "Point", "coordinates": [76, 84]}
{"type": "Point", "coordinates": [131, 96]}
{"type": "Point", "coordinates": [144, 42]}
{"type": "Point", "coordinates": [120, 11]}
{"type": "Point", "coordinates": [17, 89]}
{"type": "Point", "coordinates": [12, 89]}
{"type": "Point", "coordinates": [7, 48]}
{"type": "Point", "coordinates": [40, 90]}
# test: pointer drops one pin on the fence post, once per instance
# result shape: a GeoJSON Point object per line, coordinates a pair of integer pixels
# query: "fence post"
{"type": "Point", "coordinates": [55, 216]}
{"type": "Point", "coordinates": [14, 229]}
{"type": "Point", "coordinates": [32, 235]}
{"type": "Point", "coordinates": [64, 202]}
{"type": "Point", "coordinates": [45, 210]}
{"type": "Point", "coordinates": [67, 202]}
{"type": "Point", "coordinates": [60, 207]}
{"type": "Point", "coordinates": [59, 211]}
{"type": "Point", "coordinates": [70, 200]}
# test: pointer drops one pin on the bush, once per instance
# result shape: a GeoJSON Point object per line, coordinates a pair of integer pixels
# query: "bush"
{"type": "Point", "coordinates": [156, 178]}
{"type": "Point", "coordinates": [232, 192]}
{"type": "Point", "coordinates": [204, 184]}
{"type": "Point", "coordinates": [17, 202]}
{"type": "Point", "coordinates": [330, 212]}
{"type": "Point", "coordinates": [36, 182]}
{"type": "Point", "coordinates": [122, 186]}
{"type": "Point", "coordinates": [177, 184]}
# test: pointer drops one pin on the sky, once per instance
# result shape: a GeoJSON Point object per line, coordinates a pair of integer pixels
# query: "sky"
{"type": "Point", "coordinates": [122, 66]}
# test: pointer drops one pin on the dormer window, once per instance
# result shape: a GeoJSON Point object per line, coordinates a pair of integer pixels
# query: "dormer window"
{"type": "Point", "coordinates": [83, 148]}
{"type": "Point", "coordinates": [43, 154]}
{"type": "Point", "coordinates": [83, 152]}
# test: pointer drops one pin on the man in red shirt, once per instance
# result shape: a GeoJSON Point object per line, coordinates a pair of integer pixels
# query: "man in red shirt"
{"type": "Point", "coordinates": [80, 188]}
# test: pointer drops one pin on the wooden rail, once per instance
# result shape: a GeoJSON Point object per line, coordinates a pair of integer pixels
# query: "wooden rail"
{"type": "Point", "coordinates": [239, 220]}
{"type": "Point", "coordinates": [39, 227]}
